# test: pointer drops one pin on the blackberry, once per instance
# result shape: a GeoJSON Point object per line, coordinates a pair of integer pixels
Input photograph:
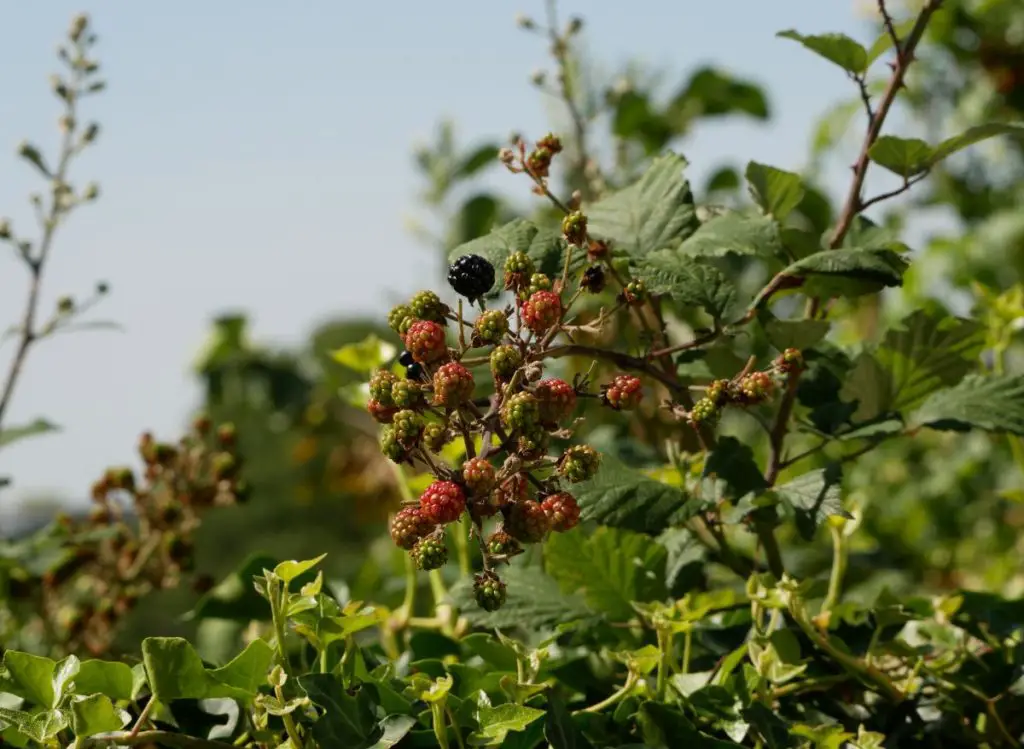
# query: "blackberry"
{"type": "Point", "coordinates": [380, 387]}
{"type": "Point", "coordinates": [532, 443]}
{"type": "Point", "coordinates": [471, 276]}
{"type": "Point", "coordinates": [409, 526]}
{"type": "Point", "coordinates": [427, 305]}
{"type": "Point", "coordinates": [381, 414]}
{"type": "Point", "coordinates": [443, 501]}
{"type": "Point", "coordinates": [593, 279]}
{"type": "Point", "coordinates": [562, 510]}
{"type": "Point", "coordinates": [502, 544]}
{"type": "Point", "coordinates": [408, 426]}
{"type": "Point", "coordinates": [430, 553]}
{"type": "Point", "coordinates": [505, 360]}
{"type": "Point", "coordinates": [405, 359]}
{"type": "Point", "coordinates": [400, 318]}
{"type": "Point", "coordinates": [435, 437]}
{"type": "Point", "coordinates": [521, 411]}
{"type": "Point", "coordinates": [518, 269]}
{"type": "Point", "coordinates": [414, 371]}
{"type": "Point", "coordinates": [556, 400]}
{"type": "Point", "coordinates": [703, 412]}
{"type": "Point", "coordinates": [527, 522]}
{"type": "Point", "coordinates": [453, 385]}
{"type": "Point", "coordinates": [489, 591]}
{"type": "Point", "coordinates": [491, 326]}
{"type": "Point", "coordinates": [407, 394]}
{"type": "Point", "coordinates": [624, 393]}
{"type": "Point", "coordinates": [538, 282]}
{"type": "Point", "coordinates": [635, 293]}
{"type": "Point", "coordinates": [579, 463]}
{"type": "Point", "coordinates": [392, 449]}
{"type": "Point", "coordinates": [574, 228]}
{"type": "Point", "coordinates": [479, 475]}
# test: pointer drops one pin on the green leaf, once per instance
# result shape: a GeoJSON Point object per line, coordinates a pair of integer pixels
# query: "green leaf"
{"type": "Point", "coordinates": [689, 281]}
{"type": "Point", "coordinates": [65, 671]}
{"type": "Point", "coordinates": [778, 192]}
{"type": "Point", "coordinates": [534, 599]}
{"type": "Point", "coordinates": [545, 246]}
{"type": "Point", "coordinates": [837, 48]}
{"type": "Point", "coordinates": [476, 160]}
{"type": "Point", "coordinates": [348, 720]}
{"type": "Point", "coordinates": [848, 271]}
{"type": "Point", "coordinates": [35, 428]}
{"type": "Point", "coordinates": [32, 677]}
{"type": "Point", "coordinates": [624, 498]}
{"type": "Point", "coordinates": [611, 568]}
{"type": "Point", "coordinates": [175, 671]}
{"type": "Point", "coordinates": [234, 597]}
{"type": "Point", "coordinates": [737, 234]}
{"type": "Point", "coordinates": [394, 728]}
{"type": "Point", "coordinates": [559, 729]}
{"type": "Point", "coordinates": [496, 722]}
{"type": "Point", "coordinates": [798, 334]}
{"type": "Point", "coordinates": [111, 678]}
{"type": "Point", "coordinates": [96, 714]}
{"type": "Point", "coordinates": [769, 726]}
{"type": "Point", "coordinates": [715, 93]}
{"type": "Point", "coordinates": [664, 726]}
{"type": "Point", "coordinates": [991, 403]}
{"type": "Point", "coordinates": [654, 213]}
{"type": "Point", "coordinates": [290, 570]}
{"type": "Point", "coordinates": [365, 356]}
{"type": "Point", "coordinates": [973, 135]}
{"type": "Point", "coordinates": [926, 353]}
{"type": "Point", "coordinates": [44, 725]}
{"type": "Point", "coordinates": [813, 497]}
{"type": "Point", "coordinates": [906, 157]}
{"type": "Point", "coordinates": [732, 467]}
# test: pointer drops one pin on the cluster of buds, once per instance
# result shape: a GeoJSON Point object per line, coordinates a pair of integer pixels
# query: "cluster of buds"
{"type": "Point", "coordinates": [139, 534]}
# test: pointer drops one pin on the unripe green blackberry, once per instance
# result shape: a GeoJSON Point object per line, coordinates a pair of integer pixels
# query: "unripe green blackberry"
{"type": "Point", "coordinates": [435, 436]}
{"type": "Point", "coordinates": [518, 269]}
{"type": "Point", "coordinates": [574, 228]}
{"type": "Point", "coordinates": [489, 591]}
{"type": "Point", "coordinates": [479, 476]}
{"type": "Point", "coordinates": [408, 427]}
{"type": "Point", "coordinates": [502, 544]}
{"type": "Point", "coordinates": [757, 387]}
{"type": "Point", "coordinates": [538, 282]}
{"type": "Point", "coordinates": [527, 522]}
{"type": "Point", "coordinates": [520, 411]}
{"type": "Point", "coordinates": [430, 553]}
{"type": "Point", "coordinates": [532, 443]}
{"type": "Point", "coordinates": [579, 463]}
{"type": "Point", "coordinates": [789, 361]}
{"type": "Point", "coordinates": [491, 326]}
{"type": "Point", "coordinates": [407, 394]}
{"type": "Point", "coordinates": [704, 411]}
{"type": "Point", "coordinates": [718, 392]}
{"type": "Point", "coordinates": [635, 293]}
{"type": "Point", "coordinates": [400, 318]}
{"type": "Point", "coordinates": [539, 162]}
{"type": "Point", "coordinates": [427, 305]}
{"type": "Point", "coordinates": [391, 448]}
{"type": "Point", "coordinates": [381, 383]}
{"type": "Point", "coordinates": [505, 360]}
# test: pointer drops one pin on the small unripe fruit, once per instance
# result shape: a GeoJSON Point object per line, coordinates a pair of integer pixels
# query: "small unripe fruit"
{"type": "Point", "coordinates": [435, 437]}
{"type": "Point", "coordinates": [624, 393]}
{"type": "Point", "coordinates": [408, 426]}
{"type": "Point", "coordinates": [443, 502]}
{"type": "Point", "coordinates": [635, 293]}
{"type": "Point", "coordinates": [408, 526]}
{"type": "Point", "coordinates": [479, 475]}
{"type": "Point", "coordinates": [505, 360]}
{"type": "Point", "coordinates": [425, 340]}
{"type": "Point", "coordinates": [407, 394]}
{"type": "Point", "coordinates": [538, 282]}
{"type": "Point", "coordinates": [542, 311]}
{"type": "Point", "coordinates": [518, 269]}
{"type": "Point", "coordinates": [757, 387]}
{"type": "Point", "coordinates": [400, 318]}
{"type": "Point", "coordinates": [527, 522]}
{"type": "Point", "coordinates": [381, 414]}
{"type": "Point", "coordinates": [381, 383]}
{"type": "Point", "coordinates": [556, 400]}
{"type": "Point", "coordinates": [574, 227]}
{"type": "Point", "coordinates": [489, 591]}
{"type": "Point", "coordinates": [453, 385]}
{"type": "Point", "coordinates": [562, 510]}
{"type": "Point", "coordinates": [390, 446]}
{"type": "Point", "coordinates": [520, 411]}
{"type": "Point", "coordinates": [491, 326]}
{"type": "Point", "coordinates": [501, 543]}
{"type": "Point", "coordinates": [430, 553]}
{"type": "Point", "coordinates": [427, 305]}
{"type": "Point", "coordinates": [579, 463]}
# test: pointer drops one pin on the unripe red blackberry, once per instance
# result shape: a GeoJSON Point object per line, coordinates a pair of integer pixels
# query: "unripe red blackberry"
{"type": "Point", "coordinates": [579, 463]}
{"type": "Point", "coordinates": [539, 162]}
{"type": "Point", "coordinates": [453, 385]}
{"type": "Point", "coordinates": [427, 305]}
{"type": "Point", "coordinates": [502, 544]}
{"type": "Point", "coordinates": [562, 510]}
{"type": "Point", "coordinates": [408, 526]}
{"type": "Point", "coordinates": [757, 387]}
{"type": "Point", "coordinates": [381, 383]}
{"type": "Point", "coordinates": [542, 311]}
{"type": "Point", "coordinates": [518, 269]}
{"type": "Point", "coordinates": [479, 475]}
{"type": "Point", "coordinates": [491, 326]}
{"type": "Point", "coordinates": [489, 591]}
{"type": "Point", "coordinates": [425, 340]}
{"type": "Point", "coordinates": [624, 393]}
{"type": "Point", "coordinates": [430, 553]}
{"type": "Point", "coordinates": [551, 142]}
{"type": "Point", "coordinates": [505, 360]}
{"type": "Point", "coordinates": [443, 501]}
{"type": "Point", "coordinates": [532, 443]}
{"type": "Point", "coordinates": [407, 394]}
{"type": "Point", "coordinates": [556, 400]}
{"type": "Point", "coordinates": [538, 282]}
{"type": "Point", "coordinates": [635, 293]}
{"type": "Point", "coordinates": [408, 427]}
{"type": "Point", "coordinates": [789, 361]}
{"type": "Point", "coordinates": [527, 522]}
{"type": "Point", "coordinates": [520, 411]}
{"type": "Point", "coordinates": [400, 318]}
{"type": "Point", "coordinates": [574, 228]}
{"type": "Point", "coordinates": [381, 414]}
{"type": "Point", "coordinates": [435, 437]}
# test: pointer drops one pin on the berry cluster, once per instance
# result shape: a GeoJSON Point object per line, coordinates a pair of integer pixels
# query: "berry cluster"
{"type": "Point", "coordinates": [747, 389]}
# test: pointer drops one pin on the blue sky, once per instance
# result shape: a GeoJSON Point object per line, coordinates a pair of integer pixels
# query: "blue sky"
{"type": "Point", "coordinates": [259, 158]}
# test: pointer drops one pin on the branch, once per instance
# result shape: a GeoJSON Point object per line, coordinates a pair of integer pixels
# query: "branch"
{"type": "Point", "coordinates": [780, 428]}
{"type": "Point", "coordinates": [622, 360]}
{"type": "Point", "coordinates": [907, 184]}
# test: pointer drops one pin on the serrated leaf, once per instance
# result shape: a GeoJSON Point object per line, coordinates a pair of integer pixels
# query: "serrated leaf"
{"type": "Point", "coordinates": [111, 678]}
{"type": "Point", "coordinates": [776, 191]}
{"type": "Point", "coordinates": [924, 354]}
{"type": "Point", "coordinates": [35, 428]}
{"type": "Point", "coordinates": [654, 213]}
{"type": "Point", "coordinates": [497, 722]}
{"type": "Point", "coordinates": [175, 671]}
{"type": "Point", "coordinates": [848, 272]}
{"type": "Point", "coordinates": [624, 498]}
{"type": "Point", "coordinates": [732, 469]}
{"type": "Point", "coordinates": [973, 135]}
{"type": "Point", "coordinates": [611, 568]}
{"type": "Point", "coordinates": [836, 48]}
{"type": "Point", "coordinates": [734, 233]}
{"type": "Point", "coordinates": [544, 245]}
{"type": "Point", "coordinates": [534, 599]}
{"type": "Point", "coordinates": [906, 157]}
{"type": "Point", "coordinates": [991, 403]}
{"type": "Point", "coordinates": [96, 714]}
{"type": "Point", "coordinates": [813, 497]}
{"type": "Point", "coordinates": [798, 334]}
{"type": "Point", "coordinates": [689, 281]}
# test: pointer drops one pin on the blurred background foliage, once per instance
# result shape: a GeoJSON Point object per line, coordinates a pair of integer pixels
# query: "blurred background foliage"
{"type": "Point", "coordinates": [939, 512]}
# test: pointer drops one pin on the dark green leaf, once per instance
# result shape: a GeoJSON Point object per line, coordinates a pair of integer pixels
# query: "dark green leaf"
{"type": "Point", "coordinates": [622, 497]}
{"type": "Point", "coordinates": [777, 192]}
{"type": "Point", "coordinates": [735, 233]}
{"type": "Point", "coordinates": [483, 156]}
{"type": "Point", "coordinates": [611, 568]}
{"type": "Point", "coordinates": [813, 497]}
{"type": "Point", "coordinates": [837, 48]}
{"type": "Point", "coordinates": [111, 678]}
{"type": "Point", "coordinates": [689, 281]}
{"type": "Point", "coordinates": [496, 722]}
{"type": "Point", "coordinates": [559, 729]}
{"type": "Point", "coordinates": [973, 135]}
{"type": "Point", "coordinates": [348, 720]}
{"type": "Point", "coordinates": [534, 600]}
{"type": "Point", "coordinates": [175, 671]}
{"type": "Point", "coordinates": [725, 179]}
{"type": "Point", "coordinates": [714, 93]}
{"type": "Point", "coordinates": [732, 468]}
{"type": "Point", "coordinates": [798, 334]}
{"type": "Point", "coordinates": [96, 714]}
{"type": "Point", "coordinates": [655, 213]}
{"type": "Point", "coordinates": [769, 726]}
{"type": "Point", "coordinates": [664, 726]}
{"type": "Point", "coordinates": [992, 403]}
{"type": "Point", "coordinates": [11, 435]}
{"type": "Point", "coordinates": [848, 272]}
{"type": "Point", "coordinates": [906, 157]}
{"type": "Point", "coordinates": [234, 598]}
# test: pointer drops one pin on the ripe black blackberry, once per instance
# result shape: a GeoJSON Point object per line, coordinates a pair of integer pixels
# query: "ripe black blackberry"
{"type": "Point", "coordinates": [414, 371]}
{"type": "Point", "coordinates": [471, 276]}
{"type": "Point", "coordinates": [405, 359]}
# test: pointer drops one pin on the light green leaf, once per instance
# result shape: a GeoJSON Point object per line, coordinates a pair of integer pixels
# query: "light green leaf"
{"type": "Point", "coordinates": [11, 435]}
{"type": "Point", "coordinates": [813, 497]}
{"type": "Point", "coordinates": [836, 48]}
{"type": "Point", "coordinates": [777, 191]}
{"type": "Point", "coordinates": [689, 281]}
{"type": "Point", "coordinates": [973, 135]}
{"type": "Point", "coordinates": [906, 157]}
{"type": "Point", "coordinates": [111, 678]}
{"type": "Point", "coordinates": [798, 334]}
{"type": "Point", "coordinates": [991, 403]}
{"type": "Point", "coordinates": [611, 568]}
{"type": "Point", "coordinates": [624, 498]}
{"type": "Point", "coordinates": [175, 671]}
{"type": "Point", "coordinates": [848, 272]}
{"type": "Point", "coordinates": [32, 676]}
{"type": "Point", "coordinates": [737, 234]}
{"type": "Point", "coordinates": [247, 671]}
{"type": "Point", "coordinates": [544, 245]}
{"type": "Point", "coordinates": [496, 722]}
{"type": "Point", "coordinates": [44, 725]}
{"type": "Point", "coordinates": [290, 570]}
{"type": "Point", "coordinates": [365, 356]}
{"type": "Point", "coordinates": [654, 213]}
{"type": "Point", "coordinates": [394, 728]}
{"type": "Point", "coordinates": [65, 671]}
{"type": "Point", "coordinates": [96, 714]}
{"type": "Point", "coordinates": [533, 597]}
{"type": "Point", "coordinates": [924, 354]}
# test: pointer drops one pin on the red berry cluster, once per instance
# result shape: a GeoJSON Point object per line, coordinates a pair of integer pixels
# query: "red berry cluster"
{"type": "Point", "coordinates": [747, 389]}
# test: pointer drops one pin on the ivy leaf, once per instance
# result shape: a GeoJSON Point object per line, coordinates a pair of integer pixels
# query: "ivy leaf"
{"type": "Point", "coordinates": [96, 714]}
{"type": "Point", "coordinates": [559, 729]}
{"type": "Point", "coordinates": [234, 597]}
{"type": "Point", "coordinates": [33, 429]}
{"type": "Point", "coordinates": [836, 48]}
{"type": "Point", "coordinates": [737, 234]}
{"type": "Point", "coordinates": [973, 135]}
{"type": "Point", "coordinates": [497, 722]}
{"type": "Point", "coordinates": [813, 497]}
{"type": "Point", "coordinates": [925, 353]}
{"type": "Point", "coordinates": [44, 725]}
{"type": "Point", "coordinates": [545, 246]}
{"type": "Point", "coordinates": [111, 678]}
{"type": "Point", "coordinates": [906, 157]}
{"type": "Point", "coordinates": [290, 570]}
{"type": "Point", "coordinates": [624, 498]}
{"type": "Point", "coordinates": [534, 598]}
{"type": "Point", "coordinates": [991, 403]}
{"type": "Point", "coordinates": [32, 676]}
{"type": "Point", "coordinates": [394, 728]}
{"type": "Point", "coordinates": [665, 726]}
{"type": "Point", "coordinates": [690, 282]}
{"type": "Point", "coordinates": [347, 720]}
{"type": "Point", "coordinates": [654, 213]}
{"type": "Point", "coordinates": [848, 272]}
{"type": "Point", "coordinates": [611, 568]}
{"type": "Point", "coordinates": [175, 671]}
{"type": "Point", "coordinates": [776, 191]}
{"type": "Point", "coordinates": [798, 334]}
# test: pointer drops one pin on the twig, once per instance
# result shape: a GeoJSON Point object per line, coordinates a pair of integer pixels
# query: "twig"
{"type": "Point", "coordinates": [907, 184]}
{"type": "Point", "coordinates": [780, 428]}
{"type": "Point", "coordinates": [865, 95]}
{"type": "Point", "coordinates": [890, 27]}
{"type": "Point", "coordinates": [623, 360]}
